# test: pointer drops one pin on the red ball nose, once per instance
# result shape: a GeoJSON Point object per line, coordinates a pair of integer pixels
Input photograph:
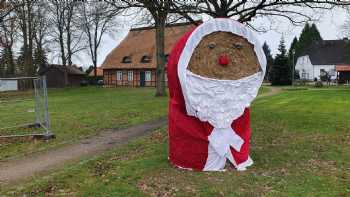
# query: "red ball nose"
{"type": "Point", "coordinates": [223, 60]}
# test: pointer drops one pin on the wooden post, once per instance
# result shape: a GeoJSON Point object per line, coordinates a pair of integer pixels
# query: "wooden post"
{"type": "Point", "coordinates": [133, 79]}
{"type": "Point", "coordinates": [122, 77]}
{"type": "Point", "coordinates": [155, 79]}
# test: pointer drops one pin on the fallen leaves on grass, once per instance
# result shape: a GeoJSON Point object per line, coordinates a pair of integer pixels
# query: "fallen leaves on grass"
{"type": "Point", "coordinates": [51, 189]}
{"type": "Point", "coordinates": [100, 168]}
{"type": "Point", "coordinates": [158, 136]}
{"type": "Point", "coordinates": [164, 184]}
{"type": "Point", "coordinates": [317, 165]}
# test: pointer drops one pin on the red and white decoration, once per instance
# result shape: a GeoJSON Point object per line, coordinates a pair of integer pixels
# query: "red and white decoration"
{"type": "Point", "coordinates": [209, 118]}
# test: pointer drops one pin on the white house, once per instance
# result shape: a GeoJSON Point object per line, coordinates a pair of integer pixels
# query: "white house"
{"type": "Point", "coordinates": [323, 56]}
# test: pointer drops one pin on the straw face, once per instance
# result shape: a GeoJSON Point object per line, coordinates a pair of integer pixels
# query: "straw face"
{"type": "Point", "coordinates": [223, 55]}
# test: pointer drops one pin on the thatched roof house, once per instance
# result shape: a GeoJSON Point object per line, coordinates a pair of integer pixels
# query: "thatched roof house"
{"type": "Point", "coordinates": [133, 61]}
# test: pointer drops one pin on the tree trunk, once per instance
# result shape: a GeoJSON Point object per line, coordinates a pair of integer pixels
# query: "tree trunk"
{"type": "Point", "coordinates": [25, 48]}
{"type": "Point", "coordinates": [69, 34]}
{"type": "Point", "coordinates": [94, 53]}
{"type": "Point", "coordinates": [95, 71]}
{"type": "Point", "coordinates": [30, 41]}
{"type": "Point", "coordinates": [63, 56]}
{"type": "Point", "coordinates": [10, 61]}
{"type": "Point", "coordinates": [24, 28]}
{"type": "Point", "coordinates": [69, 50]}
{"type": "Point", "coordinates": [160, 74]}
{"type": "Point", "coordinates": [27, 33]}
{"type": "Point", "coordinates": [95, 65]}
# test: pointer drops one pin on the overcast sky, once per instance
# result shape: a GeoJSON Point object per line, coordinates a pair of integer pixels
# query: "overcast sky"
{"type": "Point", "coordinates": [328, 25]}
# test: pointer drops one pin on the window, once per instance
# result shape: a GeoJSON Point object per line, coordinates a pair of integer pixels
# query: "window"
{"type": "Point", "coordinates": [303, 75]}
{"type": "Point", "coordinates": [148, 76]}
{"type": "Point", "coordinates": [332, 72]}
{"type": "Point", "coordinates": [130, 75]}
{"type": "Point", "coordinates": [146, 59]}
{"type": "Point", "coordinates": [126, 59]}
{"type": "Point", "coordinates": [119, 75]}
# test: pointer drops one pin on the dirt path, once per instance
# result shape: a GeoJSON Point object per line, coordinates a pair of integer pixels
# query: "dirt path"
{"type": "Point", "coordinates": [23, 168]}
{"type": "Point", "coordinates": [273, 91]}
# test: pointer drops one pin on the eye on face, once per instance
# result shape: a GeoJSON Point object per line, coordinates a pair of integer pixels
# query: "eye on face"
{"type": "Point", "coordinates": [211, 45]}
{"type": "Point", "coordinates": [238, 45]}
{"type": "Point", "coordinates": [223, 55]}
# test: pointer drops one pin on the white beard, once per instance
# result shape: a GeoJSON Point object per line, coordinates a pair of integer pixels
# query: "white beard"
{"type": "Point", "coordinates": [220, 102]}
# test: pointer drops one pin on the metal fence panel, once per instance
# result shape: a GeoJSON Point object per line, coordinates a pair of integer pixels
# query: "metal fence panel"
{"type": "Point", "coordinates": [25, 111]}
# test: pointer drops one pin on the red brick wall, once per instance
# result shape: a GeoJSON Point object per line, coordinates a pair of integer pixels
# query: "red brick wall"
{"type": "Point", "coordinates": [110, 78]}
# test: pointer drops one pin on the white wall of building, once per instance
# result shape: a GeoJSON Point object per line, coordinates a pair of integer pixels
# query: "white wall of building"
{"type": "Point", "coordinates": [305, 67]}
{"type": "Point", "coordinates": [309, 71]}
{"type": "Point", "coordinates": [8, 85]}
{"type": "Point", "coordinates": [330, 69]}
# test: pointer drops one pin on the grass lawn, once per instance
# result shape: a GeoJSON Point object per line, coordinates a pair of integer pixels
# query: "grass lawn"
{"type": "Point", "coordinates": [300, 146]}
{"type": "Point", "coordinates": [81, 112]}
{"type": "Point", "coordinates": [264, 90]}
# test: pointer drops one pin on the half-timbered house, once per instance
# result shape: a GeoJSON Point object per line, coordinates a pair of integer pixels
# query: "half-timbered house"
{"type": "Point", "coordinates": [133, 61]}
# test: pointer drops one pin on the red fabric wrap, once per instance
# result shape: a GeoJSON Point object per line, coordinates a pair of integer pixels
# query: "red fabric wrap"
{"type": "Point", "coordinates": [188, 136]}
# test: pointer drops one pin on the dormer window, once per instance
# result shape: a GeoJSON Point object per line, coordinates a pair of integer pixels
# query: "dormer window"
{"type": "Point", "coordinates": [126, 59]}
{"type": "Point", "coordinates": [146, 59]}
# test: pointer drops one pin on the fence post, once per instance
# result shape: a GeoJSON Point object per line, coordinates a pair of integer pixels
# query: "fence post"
{"type": "Point", "coordinates": [46, 105]}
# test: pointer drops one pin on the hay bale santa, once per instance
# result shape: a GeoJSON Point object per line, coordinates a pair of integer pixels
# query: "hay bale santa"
{"type": "Point", "coordinates": [214, 73]}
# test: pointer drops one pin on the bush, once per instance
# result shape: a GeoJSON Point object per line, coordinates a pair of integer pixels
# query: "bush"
{"type": "Point", "coordinates": [300, 82]}
{"type": "Point", "coordinates": [93, 80]}
{"type": "Point", "coordinates": [319, 84]}
{"type": "Point", "coordinates": [100, 82]}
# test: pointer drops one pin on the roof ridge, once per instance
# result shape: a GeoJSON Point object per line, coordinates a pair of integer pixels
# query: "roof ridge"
{"type": "Point", "coordinates": [139, 43]}
{"type": "Point", "coordinates": [168, 25]}
{"type": "Point", "coordinates": [329, 52]}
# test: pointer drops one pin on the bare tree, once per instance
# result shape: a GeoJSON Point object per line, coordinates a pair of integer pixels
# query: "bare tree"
{"type": "Point", "coordinates": [296, 11]}
{"type": "Point", "coordinates": [57, 18]}
{"type": "Point", "coordinates": [24, 24]}
{"type": "Point", "coordinates": [8, 30]}
{"type": "Point", "coordinates": [25, 17]}
{"type": "Point", "coordinates": [7, 7]}
{"type": "Point", "coordinates": [65, 30]}
{"type": "Point", "coordinates": [97, 20]}
{"type": "Point", "coordinates": [42, 27]}
{"type": "Point", "coordinates": [69, 27]}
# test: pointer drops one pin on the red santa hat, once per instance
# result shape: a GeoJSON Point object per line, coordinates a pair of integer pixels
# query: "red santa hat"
{"type": "Point", "coordinates": [191, 135]}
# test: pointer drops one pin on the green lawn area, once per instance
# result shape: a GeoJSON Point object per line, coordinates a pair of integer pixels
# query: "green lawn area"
{"type": "Point", "coordinates": [300, 146]}
{"type": "Point", "coordinates": [264, 90]}
{"type": "Point", "coordinates": [81, 112]}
